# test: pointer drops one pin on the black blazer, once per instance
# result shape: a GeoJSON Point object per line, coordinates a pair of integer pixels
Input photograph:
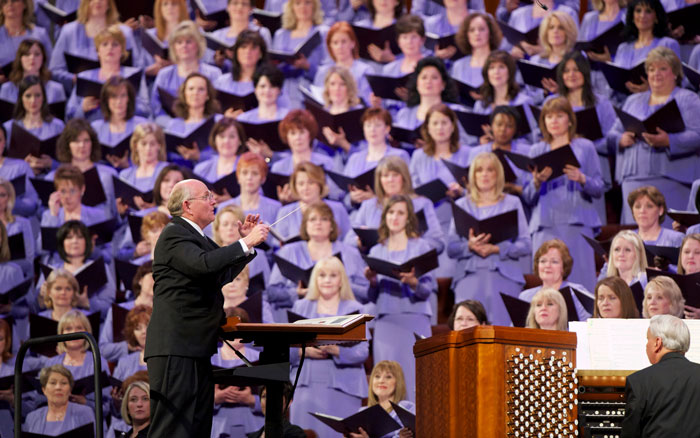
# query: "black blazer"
{"type": "Point", "coordinates": [663, 400]}
{"type": "Point", "coordinates": [189, 270]}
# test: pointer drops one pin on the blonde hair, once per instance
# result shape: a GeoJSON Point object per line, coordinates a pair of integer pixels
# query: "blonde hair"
{"type": "Point", "coordinates": [570, 29]}
{"type": "Point", "coordinates": [235, 210]}
{"type": "Point", "coordinates": [315, 174]}
{"type": "Point", "coordinates": [547, 294]}
{"type": "Point", "coordinates": [500, 178]}
{"type": "Point", "coordinates": [160, 20]}
{"type": "Point", "coordinates": [27, 15]}
{"type": "Point", "coordinates": [599, 5]}
{"type": "Point", "coordinates": [11, 198]}
{"type": "Point", "coordinates": [557, 104]}
{"type": "Point", "coordinates": [185, 29]}
{"type": "Point", "coordinates": [69, 317]}
{"type": "Point", "coordinates": [112, 15]}
{"type": "Point", "coordinates": [140, 132]}
{"type": "Point", "coordinates": [289, 20]}
{"type": "Point", "coordinates": [112, 32]}
{"type": "Point", "coordinates": [45, 291]}
{"type": "Point", "coordinates": [140, 384]}
{"type": "Point", "coordinates": [396, 164]}
{"type": "Point", "coordinates": [670, 291]}
{"type": "Point", "coordinates": [686, 239]}
{"type": "Point", "coordinates": [4, 244]}
{"type": "Point", "coordinates": [349, 81]}
{"type": "Point", "coordinates": [664, 54]}
{"type": "Point", "coordinates": [332, 263]}
{"type": "Point", "coordinates": [640, 264]}
{"type": "Point", "coordinates": [394, 368]}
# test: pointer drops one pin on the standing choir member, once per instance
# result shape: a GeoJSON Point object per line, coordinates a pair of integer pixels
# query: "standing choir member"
{"type": "Point", "coordinates": [488, 268]}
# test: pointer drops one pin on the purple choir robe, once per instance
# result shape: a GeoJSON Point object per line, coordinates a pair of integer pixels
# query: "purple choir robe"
{"type": "Point", "coordinates": [529, 294]}
{"type": "Point", "coordinates": [26, 204]}
{"type": "Point", "coordinates": [76, 415]}
{"type": "Point", "coordinates": [110, 350]}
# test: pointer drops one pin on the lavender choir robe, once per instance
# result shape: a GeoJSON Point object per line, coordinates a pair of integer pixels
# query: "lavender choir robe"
{"type": "Point", "coordinates": [128, 365]}
{"type": "Point", "coordinates": [484, 279]}
{"type": "Point", "coordinates": [85, 370]}
{"type": "Point", "coordinates": [521, 99]}
{"type": "Point", "coordinates": [329, 7]}
{"type": "Point", "coordinates": [109, 138]}
{"type": "Point", "coordinates": [76, 415]}
{"type": "Point", "coordinates": [26, 205]}
{"type": "Point", "coordinates": [10, 276]}
{"type": "Point", "coordinates": [9, 44]}
{"type": "Point", "coordinates": [628, 56]}
{"type": "Point", "coordinates": [285, 166]}
{"type": "Point", "coordinates": [105, 173]}
{"type": "Point", "coordinates": [7, 368]}
{"type": "Point", "coordinates": [503, 14]}
{"type": "Point", "coordinates": [54, 92]}
{"type": "Point", "coordinates": [182, 128]}
{"type": "Point", "coordinates": [359, 70]}
{"type": "Point", "coordinates": [112, 351]}
{"type": "Point", "coordinates": [145, 183]}
{"type": "Point", "coordinates": [46, 130]}
{"type": "Point", "coordinates": [334, 386]}
{"type": "Point", "coordinates": [291, 225]}
{"type": "Point", "coordinates": [564, 209]}
{"type": "Point", "coordinates": [582, 313]}
{"type": "Point", "coordinates": [522, 19]}
{"type": "Point", "coordinates": [409, 406]}
{"type": "Point", "coordinates": [24, 226]}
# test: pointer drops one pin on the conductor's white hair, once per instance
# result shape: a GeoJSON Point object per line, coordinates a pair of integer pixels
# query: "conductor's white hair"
{"type": "Point", "coordinates": [181, 193]}
{"type": "Point", "coordinates": [673, 332]}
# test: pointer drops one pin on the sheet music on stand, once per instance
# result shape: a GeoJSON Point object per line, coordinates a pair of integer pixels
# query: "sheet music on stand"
{"type": "Point", "coordinates": [620, 344]}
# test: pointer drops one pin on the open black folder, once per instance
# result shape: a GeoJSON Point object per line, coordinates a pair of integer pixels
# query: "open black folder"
{"type": "Point", "coordinates": [384, 86]}
{"type": "Point", "coordinates": [16, 292]}
{"type": "Point", "coordinates": [435, 190]}
{"type": "Point", "coordinates": [501, 227]}
{"type": "Point", "coordinates": [378, 37]}
{"type": "Point", "coordinates": [199, 135]}
{"type": "Point", "coordinates": [92, 275]}
{"type": "Point", "coordinates": [305, 48]}
{"type": "Point", "coordinates": [16, 244]}
{"type": "Point", "coordinates": [370, 236]}
{"type": "Point", "coordinates": [87, 87]}
{"type": "Point", "coordinates": [670, 253]}
{"type": "Point", "coordinates": [688, 17]}
{"type": "Point", "coordinates": [30, 381]}
{"type": "Point", "coordinates": [515, 36]}
{"type": "Point", "coordinates": [215, 43]}
{"type": "Point", "coordinates": [86, 385]}
{"type": "Point", "coordinates": [611, 38]}
{"type": "Point", "coordinates": [685, 218]}
{"type": "Point", "coordinates": [118, 149]}
{"type": "Point", "coordinates": [408, 418]}
{"type": "Point", "coordinates": [517, 309]}
{"type": "Point", "coordinates": [465, 90]}
{"type": "Point", "coordinates": [126, 192]}
{"type": "Point", "coordinates": [434, 42]}
{"type": "Point", "coordinates": [568, 293]}
{"type": "Point", "coordinates": [167, 101]}
{"type": "Point", "coordinates": [235, 101]}
{"type": "Point", "coordinates": [77, 64]}
{"type": "Point", "coordinates": [617, 76]}
{"type": "Point", "coordinates": [212, 11]}
{"type": "Point", "coordinates": [405, 135]}
{"type": "Point", "coordinates": [292, 271]}
{"type": "Point", "coordinates": [423, 264]}
{"type": "Point", "coordinates": [473, 122]}
{"type": "Point", "coordinates": [668, 118]}
{"type": "Point", "coordinates": [268, 19]}
{"type": "Point", "coordinates": [40, 326]}
{"type": "Point", "coordinates": [638, 295]}
{"type": "Point", "coordinates": [375, 421]}
{"type": "Point", "coordinates": [94, 192]}
{"type": "Point", "coordinates": [692, 74]}
{"type": "Point", "coordinates": [253, 306]}
{"type": "Point", "coordinates": [587, 122]}
{"type": "Point", "coordinates": [272, 182]}
{"type": "Point", "coordinates": [84, 431]}
{"type": "Point", "coordinates": [365, 179]}
{"type": "Point", "coordinates": [556, 160]}
{"type": "Point", "coordinates": [689, 284]}
{"type": "Point", "coordinates": [19, 183]}
{"type": "Point", "coordinates": [56, 15]}
{"type": "Point", "coordinates": [119, 314]}
{"type": "Point", "coordinates": [153, 45]}
{"type": "Point", "coordinates": [533, 73]}
{"type": "Point", "coordinates": [43, 188]}
{"type": "Point", "coordinates": [227, 182]}
{"type": "Point", "coordinates": [23, 143]}
{"type": "Point", "coordinates": [349, 121]}
{"type": "Point", "coordinates": [267, 132]}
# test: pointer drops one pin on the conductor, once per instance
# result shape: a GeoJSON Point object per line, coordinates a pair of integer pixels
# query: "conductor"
{"type": "Point", "coordinates": [189, 270]}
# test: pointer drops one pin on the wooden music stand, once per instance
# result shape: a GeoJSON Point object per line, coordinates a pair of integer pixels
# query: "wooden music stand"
{"type": "Point", "coordinates": [276, 339]}
{"type": "Point", "coordinates": [480, 382]}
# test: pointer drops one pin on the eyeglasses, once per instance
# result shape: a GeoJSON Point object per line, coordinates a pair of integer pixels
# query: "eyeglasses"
{"type": "Point", "coordinates": [208, 197]}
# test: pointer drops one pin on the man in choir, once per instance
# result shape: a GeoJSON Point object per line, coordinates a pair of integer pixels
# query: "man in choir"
{"type": "Point", "coordinates": [663, 400]}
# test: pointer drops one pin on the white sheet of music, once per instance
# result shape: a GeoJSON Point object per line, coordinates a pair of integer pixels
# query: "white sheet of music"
{"type": "Point", "coordinates": [620, 344]}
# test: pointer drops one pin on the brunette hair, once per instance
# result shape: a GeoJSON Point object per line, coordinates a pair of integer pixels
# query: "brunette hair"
{"type": "Point", "coordinates": [628, 307]}
{"type": "Point", "coordinates": [70, 133]}
{"type": "Point", "coordinates": [110, 89]}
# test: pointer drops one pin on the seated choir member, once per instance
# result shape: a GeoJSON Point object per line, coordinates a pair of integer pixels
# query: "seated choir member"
{"type": "Point", "coordinates": [530, 16]}
{"type": "Point", "coordinates": [547, 311]}
{"type": "Point", "coordinates": [486, 268]}
{"type": "Point", "coordinates": [118, 426]}
{"type": "Point", "coordinates": [60, 294]}
{"type": "Point", "coordinates": [25, 204]}
{"type": "Point", "coordinates": [151, 227]}
{"type": "Point", "coordinates": [553, 265]}
{"type": "Point", "coordinates": [136, 409]}
{"type": "Point", "coordinates": [332, 380]}
{"type": "Point", "coordinates": [614, 299]}
{"type": "Point", "coordinates": [648, 206]}
{"type": "Point", "coordinates": [561, 206]}
{"type": "Point", "coordinates": [60, 415]}
{"type": "Point", "coordinates": [135, 334]}
{"type": "Point", "coordinates": [118, 122]}
{"type": "Point", "coordinates": [662, 296]}
{"type": "Point", "coordinates": [666, 161]}
{"type": "Point", "coordinates": [166, 17]}
{"type": "Point", "coordinates": [79, 146]}
{"type": "Point", "coordinates": [289, 430]}
{"type": "Point", "coordinates": [689, 263]}
{"type": "Point", "coordinates": [466, 314]}
{"type": "Point", "coordinates": [235, 408]}
{"type": "Point", "coordinates": [387, 384]}
{"type": "Point", "coordinates": [236, 293]}
{"type": "Point", "coordinates": [477, 37]}
{"type": "Point", "coordinates": [627, 259]}
{"type": "Point", "coordinates": [403, 306]}
{"type": "Point", "coordinates": [251, 173]}
{"type": "Point", "coordinates": [16, 224]}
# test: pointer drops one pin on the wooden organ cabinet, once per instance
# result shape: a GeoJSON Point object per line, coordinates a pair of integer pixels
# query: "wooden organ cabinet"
{"type": "Point", "coordinates": [601, 402]}
{"type": "Point", "coordinates": [490, 381]}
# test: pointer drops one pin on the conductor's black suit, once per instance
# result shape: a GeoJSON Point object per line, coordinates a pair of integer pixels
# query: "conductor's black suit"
{"type": "Point", "coordinates": [189, 270]}
{"type": "Point", "coordinates": [663, 400]}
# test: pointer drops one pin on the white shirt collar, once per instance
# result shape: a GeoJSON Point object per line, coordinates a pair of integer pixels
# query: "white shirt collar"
{"type": "Point", "coordinates": [194, 225]}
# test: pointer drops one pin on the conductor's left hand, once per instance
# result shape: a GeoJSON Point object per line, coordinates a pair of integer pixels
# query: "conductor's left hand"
{"type": "Point", "coordinates": [253, 231]}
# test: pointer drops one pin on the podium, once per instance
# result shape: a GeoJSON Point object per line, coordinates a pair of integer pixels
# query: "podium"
{"type": "Point", "coordinates": [276, 339]}
{"type": "Point", "coordinates": [490, 381]}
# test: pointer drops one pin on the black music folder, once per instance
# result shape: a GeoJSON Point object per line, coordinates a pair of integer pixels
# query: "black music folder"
{"type": "Point", "coordinates": [119, 314]}
{"type": "Point", "coordinates": [118, 149]}
{"type": "Point", "coordinates": [40, 326]}
{"type": "Point", "coordinates": [460, 174]}
{"type": "Point", "coordinates": [588, 124]}
{"type": "Point", "coordinates": [349, 121]}
{"type": "Point", "coordinates": [408, 418]}
{"type": "Point", "coordinates": [86, 385]}
{"type": "Point", "coordinates": [638, 294]}
{"type": "Point", "coordinates": [19, 183]}
{"type": "Point", "coordinates": [668, 118]}
{"type": "Point", "coordinates": [688, 17]}
{"type": "Point", "coordinates": [685, 218]}
{"type": "Point", "coordinates": [375, 421]}
{"type": "Point", "coordinates": [692, 75]}
{"type": "Point", "coordinates": [472, 122]}
{"type": "Point", "coordinates": [153, 45]}
{"type": "Point", "coordinates": [617, 76]}
{"type": "Point", "coordinates": [270, 20]}
{"type": "Point", "coordinates": [212, 11]}
{"type": "Point", "coordinates": [93, 275]}
{"type": "Point", "coordinates": [501, 227]}
{"type": "Point", "coordinates": [229, 183]}
{"type": "Point", "coordinates": [508, 173]}
{"type": "Point", "coordinates": [214, 43]}
{"type": "Point", "coordinates": [267, 132]}
{"type": "Point", "coordinates": [556, 160]}
{"type": "Point", "coordinates": [688, 284]}
{"type": "Point", "coordinates": [378, 37]}
{"type": "Point", "coordinates": [363, 180]}
{"type": "Point", "coordinates": [126, 192]}
{"type": "Point", "coordinates": [568, 294]}
{"type": "Point", "coordinates": [126, 271]}
{"type": "Point", "coordinates": [256, 282]}
{"type": "Point", "coordinates": [669, 253]}
{"type": "Point", "coordinates": [87, 87]}
{"type": "Point", "coordinates": [587, 302]}
{"type": "Point", "coordinates": [271, 183]}
{"type": "Point", "coordinates": [30, 382]}
{"type": "Point", "coordinates": [43, 188]}
{"type": "Point", "coordinates": [94, 192]}
{"type": "Point", "coordinates": [305, 48]}
{"type": "Point", "coordinates": [84, 431]}
{"type": "Point", "coordinates": [167, 101]}
{"type": "Point", "coordinates": [236, 102]}
{"type": "Point", "coordinates": [135, 222]}
{"type": "Point", "coordinates": [293, 272]}
{"type": "Point", "coordinates": [602, 248]}
{"type": "Point", "coordinates": [16, 292]}
{"type": "Point", "coordinates": [435, 190]}
{"type": "Point", "coordinates": [405, 135]}
{"type": "Point", "coordinates": [384, 86]}
{"type": "Point", "coordinates": [611, 38]}
{"type": "Point", "coordinates": [465, 90]}
{"type": "Point", "coordinates": [368, 236]}
{"type": "Point", "coordinates": [517, 309]}
{"type": "Point", "coordinates": [49, 242]}
{"type": "Point", "coordinates": [434, 42]}
{"type": "Point", "coordinates": [293, 317]}
{"type": "Point", "coordinates": [23, 143]}
{"type": "Point", "coordinates": [253, 306]}
{"type": "Point", "coordinates": [515, 36]}
{"type": "Point", "coordinates": [56, 15]}
{"type": "Point", "coordinates": [104, 230]}
{"type": "Point", "coordinates": [199, 135]}
{"type": "Point", "coordinates": [423, 264]}
{"type": "Point", "coordinates": [533, 73]}
{"type": "Point", "coordinates": [16, 244]}
{"type": "Point", "coordinates": [77, 64]}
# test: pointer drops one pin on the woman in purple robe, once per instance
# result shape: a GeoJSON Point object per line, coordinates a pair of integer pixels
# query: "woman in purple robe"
{"type": "Point", "coordinates": [135, 334]}
{"type": "Point", "coordinates": [528, 17]}
{"type": "Point", "coordinates": [16, 225]}
{"type": "Point", "coordinates": [17, 20]}
{"type": "Point", "coordinates": [27, 203]}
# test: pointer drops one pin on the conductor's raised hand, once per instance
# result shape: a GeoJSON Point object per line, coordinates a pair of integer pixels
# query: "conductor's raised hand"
{"type": "Point", "coordinates": [248, 224]}
{"type": "Point", "coordinates": [257, 236]}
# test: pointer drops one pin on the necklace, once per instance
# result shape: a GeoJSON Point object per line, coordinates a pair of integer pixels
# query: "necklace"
{"type": "Point", "coordinates": [56, 416]}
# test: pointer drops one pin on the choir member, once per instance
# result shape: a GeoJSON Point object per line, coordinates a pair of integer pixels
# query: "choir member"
{"type": "Point", "coordinates": [648, 206]}
{"type": "Point", "coordinates": [300, 19]}
{"type": "Point", "coordinates": [166, 179]}
{"type": "Point", "coordinates": [76, 38]}
{"type": "Point", "coordinates": [547, 311]}
{"type": "Point", "coordinates": [477, 37]}
{"type": "Point", "coordinates": [662, 296]}
{"type": "Point", "coordinates": [506, 7]}
{"type": "Point", "coordinates": [553, 265]}
{"type": "Point", "coordinates": [605, 15]}
{"type": "Point", "coordinates": [429, 9]}
{"type": "Point", "coordinates": [26, 204]}
{"type": "Point", "coordinates": [627, 259]}
{"type": "Point", "coordinates": [167, 14]}
{"type": "Point", "coordinates": [16, 224]}
{"type": "Point", "coordinates": [325, 10]}
{"type": "Point", "coordinates": [118, 122]}
{"type": "Point", "coordinates": [467, 314]}
{"type": "Point", "coordinates": [136, 409]}
{"type": "Point", "coordinates": [151, 227]}
{"type": "Point", "coordinates": [187, 46]}
{"type": "Point", "coordinates": [402, 306]}
{"type": "Point", "coordinates": [236, 292]}
{"type": "Point", "coordinates": [526, 18]}
{"type": "Point", "coordinates": [135, 334]}
{"type": "Point", "coordinates": [561, 206]}
{"type": "Point", "coordinates": [333, 377]}
{"type": "Point", "coordinates": [382, 14]}
{"type": "Point", "coordinates": [447, 22]}
{"type": "Point", "coordinates": [558, 35]}
{"type": "Point", "coordinates": [11, 275]}
{"type": "Point", "coordinates": [17, 25]}
{"type": "Point", "coordinates": [60, 294]}
{"type": "Point", "coordinates": [488, 269]}
{"type": "Point", "coordinates": [31, 59]}
{"type": "Point", "coordinates": [666, 161]}
{"type": "Point", "coordinates": [227, 139]}
{"type": "Point", "coordinates": [340, 95]}
{"type": "Point", "coordinates": [689, 263]}
{"type": "Point", "coordinates": [614, 299]}
{"type": "Point", "coordinates": [61, 414]}
{"type": "Point", "coordinates": [111, 52]}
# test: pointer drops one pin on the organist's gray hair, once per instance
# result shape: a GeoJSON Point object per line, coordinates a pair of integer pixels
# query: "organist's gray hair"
{"type": "Point", "coordinates": [672, 330]}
